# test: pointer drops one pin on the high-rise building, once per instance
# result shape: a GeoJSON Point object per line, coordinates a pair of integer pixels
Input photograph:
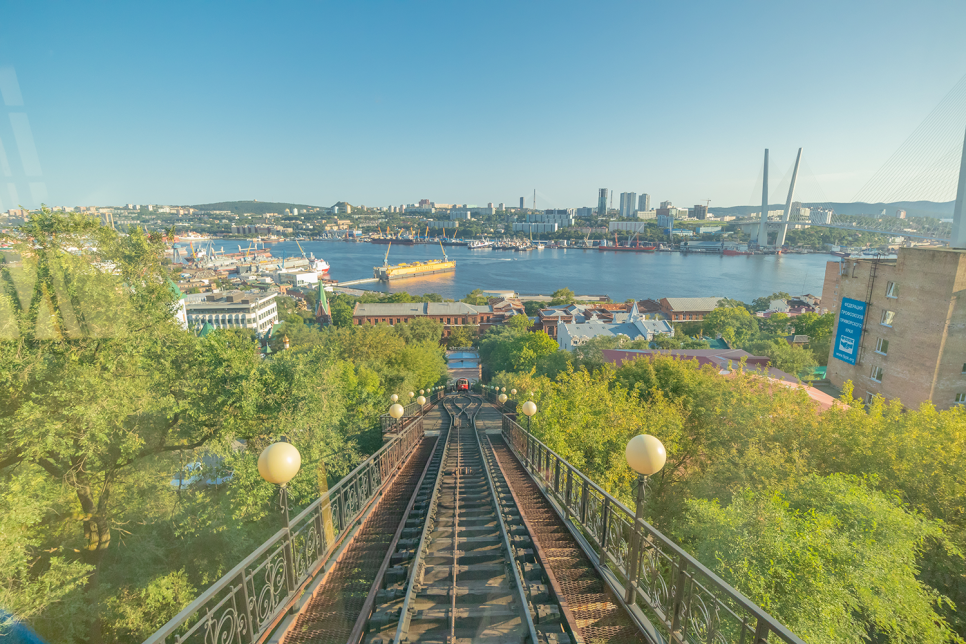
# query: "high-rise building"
{"type": "Point", "coordinates": [628, 204]}
{"type": "Point", "coordinates": [502, 206]}
{"type": "Point", "coordinates": [665, 204]}
{"type": "Point", "coordinates": [700, 211]}
{"type": "Point", "coordinates": [424, 203]}
{"type": "Point", "coordinates": [900, 214]}
{"type": "Point", "coordinates": [644, 202]}
{"type": "Point", "coordinates": [602, 203]}
{"type": "Point", "coordinates": [521, 203]}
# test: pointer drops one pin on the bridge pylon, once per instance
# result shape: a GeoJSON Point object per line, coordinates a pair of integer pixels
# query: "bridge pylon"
{"type": "Point", "coordinates": [763, 226]}
{"type": "Point", "coordinates": [780, 241]}
{"type": "Point", "coordinates": [958, 237]}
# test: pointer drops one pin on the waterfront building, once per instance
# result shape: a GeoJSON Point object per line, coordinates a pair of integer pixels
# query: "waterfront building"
{"type": "Point", "coordinates": [628, 226]}
{"type": "Point", "coordinates": [688, 309]}
{"type": "Point", "coordinates": [904, 329]}
{"type": "Point", "coordinates": [529, 227]}
{"type": "Point", "coordinates": [644, 202]}
{"type": "Point", "coordinates": [450, 314]}
{"type": "Point", "coordinates": [233, 310]}
{"type": "Point", "coordinates": [564, 218]}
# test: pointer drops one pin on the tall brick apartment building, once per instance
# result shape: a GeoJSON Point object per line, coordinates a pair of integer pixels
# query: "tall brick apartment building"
{"type": "Point", "coordinates": [913, 341]}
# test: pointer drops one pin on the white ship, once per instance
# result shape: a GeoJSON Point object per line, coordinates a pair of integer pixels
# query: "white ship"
{"type": "Point", "coordinates": [479, 243]}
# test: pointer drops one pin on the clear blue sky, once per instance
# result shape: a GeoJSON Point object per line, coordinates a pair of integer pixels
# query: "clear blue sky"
{"type": "Point", "coordinates": [388, 102]}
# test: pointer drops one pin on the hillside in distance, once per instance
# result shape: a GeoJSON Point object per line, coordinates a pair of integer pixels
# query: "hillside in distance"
{"type": "Point", "coordinates": [935, 209]}
{"type": "Point", "coordinates": [252, 207]}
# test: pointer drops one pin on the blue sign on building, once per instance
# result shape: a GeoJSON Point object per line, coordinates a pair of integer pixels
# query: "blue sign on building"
{"type": "Point", "coordinates": [849, 334]}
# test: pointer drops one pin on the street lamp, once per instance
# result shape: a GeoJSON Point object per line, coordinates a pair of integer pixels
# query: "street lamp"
{"type": "Point", "coordinates": [396, 412]}
{"type": "Point", "coordinates": [529, 409]}
{"type": "Point", "coordinates": [503, 389]}
{"type": "Point", "coordinates": [421, 401]}
{"type": "Point", "coordinates": [513, 392]}
{"type": "Point", "coordinates": [411, 395]}
{"type": "Point", "coordinates": [645, 455]}
{"type": "Point", "coordinates": [422, 391]}
{"type": "Point", "coordinates": [502, 398]}
{"type": "Point", "coordinates": [394, 397]}
{"type": "Point", "coordinates": [279, 463]}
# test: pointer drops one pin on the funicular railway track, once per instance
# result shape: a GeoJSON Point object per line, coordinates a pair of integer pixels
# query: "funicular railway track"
{"type": "Point", "coordinates": [466, 571]}
{"type": "Point", "coordinates": [464, 565]}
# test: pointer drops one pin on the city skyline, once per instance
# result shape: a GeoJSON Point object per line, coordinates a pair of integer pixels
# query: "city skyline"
{"type": "Point", "coordinates": [403, 99]}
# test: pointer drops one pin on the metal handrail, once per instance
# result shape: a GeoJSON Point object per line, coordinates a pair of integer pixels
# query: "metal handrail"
{"type": "Point", "coordinates": [410, 411]}
{"type": "Point", "coordinates": [685, 600]}
{"type": "Point", "coordinates": [245, 605]}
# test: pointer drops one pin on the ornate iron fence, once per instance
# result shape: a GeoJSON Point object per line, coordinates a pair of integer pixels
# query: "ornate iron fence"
{"type": "Point", "coordinates": [246, 604]}
{"type": "Point", "coordinates": [684, 601]}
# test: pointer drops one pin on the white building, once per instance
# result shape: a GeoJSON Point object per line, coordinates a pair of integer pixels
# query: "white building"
{"type": "Point", "coordinates": [233, 310]}
{"type": "Point", "coordinates": [646, 214]}
{"type": "Point", "coordinates": [530, 227]}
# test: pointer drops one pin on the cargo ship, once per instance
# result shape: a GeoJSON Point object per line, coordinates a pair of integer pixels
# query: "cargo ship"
{"type": "Point", "coordinates": [386, 273]}
{"type": "Point", "coordinates": [729, 252]}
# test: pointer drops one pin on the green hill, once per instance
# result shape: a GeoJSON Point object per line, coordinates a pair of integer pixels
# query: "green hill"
{"type": "Point", "coordinates": [252, 207]}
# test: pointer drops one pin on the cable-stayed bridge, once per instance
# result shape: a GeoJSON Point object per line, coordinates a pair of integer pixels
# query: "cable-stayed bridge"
{"type": "Point", "coordinates": [929, 165]}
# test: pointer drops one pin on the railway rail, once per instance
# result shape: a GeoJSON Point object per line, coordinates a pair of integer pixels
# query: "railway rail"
{"type": "Point", "coordinates": [464, 570]}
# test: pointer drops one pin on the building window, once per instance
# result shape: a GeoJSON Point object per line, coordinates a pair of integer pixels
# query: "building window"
{"type": "Point", "coordinates": [960, 399]}
{"type": "Point", "coordinates": [892, 290]}
{"type": "Point", "coordinates": [869, 396]}
{"type": "Point", "coordinates": [882, 346]}
{"type": "Point", "coordinates": [964, 367]}
{"type": "Point", "coordinates": [887, 318]}
{"type": "Point", "coordinates": [876, 374]}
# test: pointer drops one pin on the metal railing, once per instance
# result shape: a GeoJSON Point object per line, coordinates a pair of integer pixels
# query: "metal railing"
{"type": "Point", "coordinates": [684, 601]}
{"type": "Point", "coordinates": [411, 411]}
{"type": "Point", "coordinates": [246, 604]}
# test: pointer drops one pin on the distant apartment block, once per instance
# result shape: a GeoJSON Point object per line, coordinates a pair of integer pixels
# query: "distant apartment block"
{"type": "Point", "coordinates": [646, 214]}
{"type": "Point", "coordinates": [628, 204]}
{"type": "Point", "coordinates": [602, 202]}
{"type": "Point", "coordinates": [700, 211]}
{"type": "Point", "coordinates": [644, 202]}
{"type": "Point", "coordinates": [563, 218]}
{"type": "Point", "coordinates": [532, 227]}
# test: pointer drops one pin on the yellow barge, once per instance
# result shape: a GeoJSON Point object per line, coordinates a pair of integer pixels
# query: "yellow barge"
{"type": "Point", "coordinates": [386, 272]}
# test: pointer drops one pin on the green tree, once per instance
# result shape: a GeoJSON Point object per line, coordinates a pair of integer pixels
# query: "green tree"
{"type": "Point", "coordinates": [475, 297]}
{"type": "Point", "coordinates": [341, 314]}
{"type": "Point", "coordinates": [533, 308]}
{"type": "Point", "coordinates": [810, 554]}
{"type": "Point", "coordinates": [110, 387]}
{"type": "Point", "coordinates": [776, 324]}
{"type": "Point", "coordinates": [562, 296]}
{"type": "Point", "coordinates": [764, 303]}
{"type": "Point", "coordinates": [735, 324]}
{"type": "Point", "coordinates": [462, 336]}
{"type": "Point", "coordinates": [788, 358]}
{"type": "Point", "coordinates": [420, 330]}
{"type": "Point", "coordinates": [518, 323]}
